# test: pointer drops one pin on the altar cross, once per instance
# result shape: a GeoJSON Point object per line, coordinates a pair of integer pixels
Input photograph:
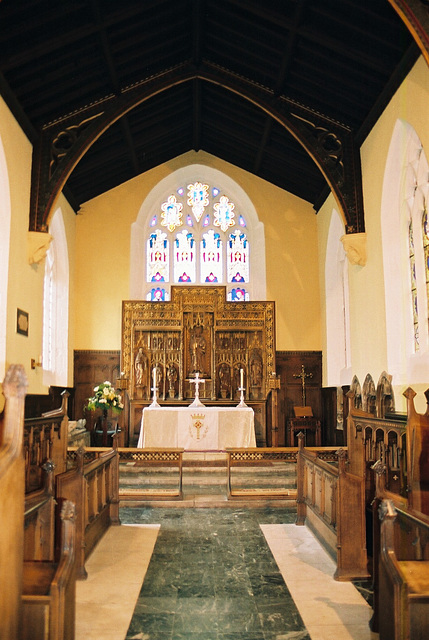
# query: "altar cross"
{"type": "Point", "coordinates": [197, 381]}
{"type": "Point", "coordinates": [302, 375]}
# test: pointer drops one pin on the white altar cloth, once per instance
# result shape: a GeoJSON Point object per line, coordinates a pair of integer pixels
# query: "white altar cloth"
{"type": "Point", "coordinates": [197, 428]}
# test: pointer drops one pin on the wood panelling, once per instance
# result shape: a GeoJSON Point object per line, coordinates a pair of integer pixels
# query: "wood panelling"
{"type": "Point", "coordinates": [288, 365]}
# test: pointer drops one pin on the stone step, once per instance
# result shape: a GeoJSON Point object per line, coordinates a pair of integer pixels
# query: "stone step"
{"type": "Point", "coordinates": [205, 481]}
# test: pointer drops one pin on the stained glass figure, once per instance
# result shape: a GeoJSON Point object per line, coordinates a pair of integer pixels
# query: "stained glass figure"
{"type": "Point", "coordinates": [224, 213]}
{"type": "Point", "coordinates": [211, 257]}
{"type": "Point", "coordinates": [238, 257]}
{"type": "Point", "coordinates": [171, 213]}
{"type": "Point", "coordinates": [238, 295]}
{"type": "Point", "coordinates": [425, 225]}
{"type": "Point", "coordinates": [157, 295]}
{"type": "Point", "coordinates": [206, 220]}
{"type": "Point", "coordinates": [198, 198]}
{"type": "Point", "coordinates": [184, 257]}
{"type": "Point", "coordinates": [154, 221]}
{"type": "Point", "coordinates": [413, 285]}
{"type": "Point", "coordinates": [157, 256]}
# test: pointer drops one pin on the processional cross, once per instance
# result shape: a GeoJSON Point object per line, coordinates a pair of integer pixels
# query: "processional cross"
{"type": "Point", "coordinates": [303, 376]}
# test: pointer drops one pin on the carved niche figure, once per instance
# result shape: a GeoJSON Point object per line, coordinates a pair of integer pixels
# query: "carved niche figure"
{"type": "Point", "coordinates": [140, 366]}
{"type": "Point", "coordinates": [197, 346]}
{"type": "Point", "coordinates": [172, 377]}
{"type": "Point", "coordinates": [256, 372]}
{"type": "Point", "coordinates": [224, 379]}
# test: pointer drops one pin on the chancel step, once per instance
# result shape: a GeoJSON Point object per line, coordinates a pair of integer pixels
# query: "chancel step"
{"type": "Point", "coordinates": [205, 480]}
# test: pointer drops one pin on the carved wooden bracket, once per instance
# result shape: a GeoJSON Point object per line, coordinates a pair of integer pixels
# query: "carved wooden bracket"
{"type": "Point", "coordinates": [330, 144]}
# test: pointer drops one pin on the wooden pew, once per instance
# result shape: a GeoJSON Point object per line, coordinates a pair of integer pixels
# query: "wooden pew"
{"type": "Point", "coordinates": [94, 487]}
{"type": "Point", "coordinates": [330, 500]}
{"type": "Point", "coordinates": [49, 589]}
{"type": "Point", "coordinates": [408, 500]}
{"type": "Point", "coordinates": [12, 502]}
{"type": "Point", "coordinates": [45, 438]}
{"type": "Point", "coordinates": [404, 575]}
{"type": "Point", "coordinates": [39, 519]}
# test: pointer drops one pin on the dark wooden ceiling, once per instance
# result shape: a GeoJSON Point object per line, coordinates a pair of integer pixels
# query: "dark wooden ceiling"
{"type": "Point", "coordinates": [340, 58]}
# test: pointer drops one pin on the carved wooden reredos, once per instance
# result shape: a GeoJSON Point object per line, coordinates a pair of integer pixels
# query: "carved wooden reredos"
{"type": "Point", "coordinates": [198, 330]}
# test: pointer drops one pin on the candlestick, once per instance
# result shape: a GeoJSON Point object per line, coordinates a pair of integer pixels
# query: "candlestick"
{"type": "Point", "coordinates": [241, 389]}
{"type": "Point", "coordinates": [154, 389]}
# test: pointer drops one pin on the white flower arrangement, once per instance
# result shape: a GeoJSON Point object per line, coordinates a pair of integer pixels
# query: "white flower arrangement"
{"type": "Point", "coordinates": [105, 397]}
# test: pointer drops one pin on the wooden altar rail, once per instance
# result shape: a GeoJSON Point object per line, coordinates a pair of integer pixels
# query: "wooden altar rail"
{"type": "Point", "coordinates": [49, 589]}
{"type": "Point", "coordinates": [170, 458]}
{"type": "Point", "coordinates": [258, 456]}
{"type": "Point", "coordinates": [12, 502]}
{"type": "Point", "coordinates": [45, 438]}
{"type": "Point", "coordinates": [404, 574]}
{"type": "Point", "coordinates": [330, 500]}
{"type": "Point", "coordinates": [94, 487]}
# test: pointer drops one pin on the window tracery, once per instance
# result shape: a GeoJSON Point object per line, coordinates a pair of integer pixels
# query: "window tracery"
{"type": "Point", "coordinates": [203, 240]}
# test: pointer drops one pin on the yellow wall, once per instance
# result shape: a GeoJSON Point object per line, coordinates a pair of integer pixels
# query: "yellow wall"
{"type": "Point", "coordinates": [103, 257]}
{"type": "Point", "coordinates": [367, 296]}
{"type": "Point", "coordinates": [25, 282]}
{"type": "Point", "coordinates": [25, 285]}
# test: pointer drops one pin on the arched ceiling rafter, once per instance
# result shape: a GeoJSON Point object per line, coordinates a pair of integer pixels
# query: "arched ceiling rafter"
{"type": "Point", "coordinates": [330, 144]}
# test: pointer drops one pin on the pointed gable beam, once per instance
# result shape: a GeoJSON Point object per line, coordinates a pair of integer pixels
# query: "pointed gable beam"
{"type": "Point", "coordinates": [62, 143]}
{"type": "Point", "coordinates": [415, 15]}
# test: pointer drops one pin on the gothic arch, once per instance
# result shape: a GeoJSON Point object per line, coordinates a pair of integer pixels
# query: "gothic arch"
{"type": "Point", "coordinates": [254, 231]}
{"type": "Point", "coordinates": [63, 143]}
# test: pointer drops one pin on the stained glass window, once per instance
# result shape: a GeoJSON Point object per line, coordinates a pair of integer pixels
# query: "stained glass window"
{"type": "Point", "coordinates": [198, 221]}
{"type": "Point", "coordinates": [171, 213]}
{"type": "Point", "coordinates": [184, 257]}
{"type": "Point", "coordinates": [211, 257]}
{"type": "Point", "coordinates": [238, 257]}
{"type": "Point", "coordinates": [198, 198]}
{"type": "Point", "coordinates": [157, 295]}
{"type": "Point", "coordinates": [413, 284]}
{"type": "Point", "coordinates": [425, 224]}
{"type": "Point", "coordinates": [224, 213]}
{"type": "Point", "coordinates": [157, 255]}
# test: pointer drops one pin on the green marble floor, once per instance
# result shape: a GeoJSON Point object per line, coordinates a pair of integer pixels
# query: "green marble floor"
{"type": "Point", "coordinates": [212, 576]}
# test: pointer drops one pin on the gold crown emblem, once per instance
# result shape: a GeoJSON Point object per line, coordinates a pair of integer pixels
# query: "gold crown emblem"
{"type": "Point", "coordinates": [197, 416]}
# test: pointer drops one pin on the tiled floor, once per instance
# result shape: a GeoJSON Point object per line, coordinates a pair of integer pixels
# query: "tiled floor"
{"type": "Point", "coordinates": [215, 574]}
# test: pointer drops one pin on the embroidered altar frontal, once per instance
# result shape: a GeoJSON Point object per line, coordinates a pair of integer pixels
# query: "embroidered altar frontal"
{"type": "Point", "coordinates": [197, 428]}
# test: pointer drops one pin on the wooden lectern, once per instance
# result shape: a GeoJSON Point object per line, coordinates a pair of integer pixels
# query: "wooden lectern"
{"type": "Point", "coordinates": [304, 421]}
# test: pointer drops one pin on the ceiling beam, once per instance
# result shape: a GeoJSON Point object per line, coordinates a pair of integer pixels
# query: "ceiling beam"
{"type": "Point", "coordinates": [415, 15]}
{"type": "Point", "coordinates": [329, 143]}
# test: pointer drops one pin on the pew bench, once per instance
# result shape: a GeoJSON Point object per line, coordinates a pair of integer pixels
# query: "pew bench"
{"type": "Point", "coordinates": [403, 574]}
{"type": "Point", "coordinates": [49, 589]}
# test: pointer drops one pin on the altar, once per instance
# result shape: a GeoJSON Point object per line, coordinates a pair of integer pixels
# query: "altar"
{"type": "Point", "coordinates": [197, 428]}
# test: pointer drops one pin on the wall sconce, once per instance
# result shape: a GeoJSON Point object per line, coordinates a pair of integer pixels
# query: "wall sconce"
{"type": "Point", "coordinates": [36, 363]}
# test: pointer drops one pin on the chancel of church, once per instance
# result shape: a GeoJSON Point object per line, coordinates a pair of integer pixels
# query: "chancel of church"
{"type": "Point", "coordinates": [214, 320]}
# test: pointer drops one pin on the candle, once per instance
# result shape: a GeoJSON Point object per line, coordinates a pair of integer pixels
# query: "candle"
{"type": "Point", "coordinates": [154, 377]}
{"type": "Point", "coordinates": [241, 378]}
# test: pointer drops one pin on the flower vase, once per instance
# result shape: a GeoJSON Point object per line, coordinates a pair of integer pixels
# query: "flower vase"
{"type": "Point", "coordinates": [104, 428]}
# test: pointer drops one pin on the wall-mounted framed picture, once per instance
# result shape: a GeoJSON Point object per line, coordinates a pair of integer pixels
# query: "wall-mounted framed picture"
{"type": "Point", "coordinates": [22, 322]}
